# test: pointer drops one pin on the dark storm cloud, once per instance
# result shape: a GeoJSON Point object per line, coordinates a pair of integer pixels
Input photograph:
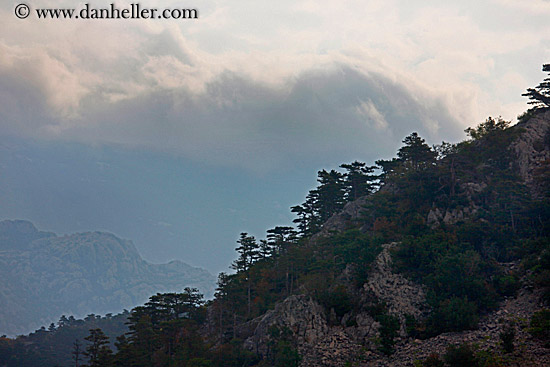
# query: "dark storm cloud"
{"type": "Point", "coordinates": [320, 116]}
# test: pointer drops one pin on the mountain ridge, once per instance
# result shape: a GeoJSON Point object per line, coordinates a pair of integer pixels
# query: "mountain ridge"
{"type": "Point", "coordinates": [75, 274]}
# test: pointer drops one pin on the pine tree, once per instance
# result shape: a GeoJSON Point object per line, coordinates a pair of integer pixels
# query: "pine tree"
{"type": "Point", "coordinates": [359, 180]}
{"type": "Point", "coordinates": [63, 321]}
{"type": "Point", "coordinates": [280, 238]}
{"type": "Point", "coordinates": [77, 351]}
{"type": "Point", "coordinates": [416, 154]}
{"type": "Point", "coordinates": [98, 352]}
{"type": "Point", "coordinates": [487, 128]}
{"type": "Point", "coordinates": [540, 95]}
{"type": "Point", "coordinates": [331, 194]}
{"type": "Point", "coordinates": [142, 337]}
{"type": "Point", "coordinates": [249, 253]}
{"type": "Point", "coordinates": [308, 221]}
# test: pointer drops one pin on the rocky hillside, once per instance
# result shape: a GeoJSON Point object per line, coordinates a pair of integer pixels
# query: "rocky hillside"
{"type": "Point", "coordinates": [322, 344]}
{"type": "Point", "coordinates": [472, 269]}
{"type": "Point", "coordinates": [45, 276]}
{"type": "Point", "coordinates": [440, 259]}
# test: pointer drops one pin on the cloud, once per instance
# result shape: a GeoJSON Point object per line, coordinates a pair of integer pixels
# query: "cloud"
{"type": "Point", "coordinates": [236, 121]}
{"type": "Point", "coordinates": [260, 84]}
{"type": "Point", "coordinates": [374, 118]}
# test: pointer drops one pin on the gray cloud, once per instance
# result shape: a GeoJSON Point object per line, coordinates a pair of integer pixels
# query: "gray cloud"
{"type": "Point", "coordinates": [238, 122]}
{"type": "Point", "coordinates": [277, 90]}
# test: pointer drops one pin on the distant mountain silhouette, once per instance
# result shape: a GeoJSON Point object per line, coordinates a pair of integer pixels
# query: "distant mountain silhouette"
{"type": "Point", "coordinates": [45, 276]}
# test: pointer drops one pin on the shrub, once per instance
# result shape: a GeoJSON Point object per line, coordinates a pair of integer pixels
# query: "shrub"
{"type": "Point", "coordinates": [540, 325]}
{"type": "Point", "coordinates": [453, 314]}
{"type": "Point", "coordinates": [461, 356]}
{"type": "Point", "coordinates": [389, 325]}
{"type": "Point", "coordinates": [433, 360]}
{"type": "Point", "coordinates": [507, 338]}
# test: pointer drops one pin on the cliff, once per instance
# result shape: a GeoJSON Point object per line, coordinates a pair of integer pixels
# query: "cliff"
{"type": "Point", "coordinates": [323, 338]}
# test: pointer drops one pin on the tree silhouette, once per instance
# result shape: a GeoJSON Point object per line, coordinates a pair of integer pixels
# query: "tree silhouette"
{"type": "Point", "coordinates": [98, 351]}
{"type": "Point", "coordinates": [416, 154]}
{"type": "Point", "coordinates": [540, 95]}
{"type": "Point", "coordinates": [359, 180]}
{"type": "Point", "coordinates": [76, 352]}
{"type": "Point", "coordinates": [249, 253]}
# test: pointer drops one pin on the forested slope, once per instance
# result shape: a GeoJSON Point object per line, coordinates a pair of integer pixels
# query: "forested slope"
{"type": "Point", "coordinates": [437, 257]}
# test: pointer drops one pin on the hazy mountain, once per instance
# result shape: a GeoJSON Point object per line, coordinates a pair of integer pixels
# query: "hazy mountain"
{"type": "Point", "coordinates": [45, 276]}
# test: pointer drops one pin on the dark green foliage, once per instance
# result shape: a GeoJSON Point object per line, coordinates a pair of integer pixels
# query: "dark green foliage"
{"type": "Point", "coordinates": [330, 194]}
{"type": "Point", "coordinates": [77, 352]}
{"type": "Point", "coordinates": [248, 251]}
{"type": "Point", "coordinates": [507, 338]}
{"type": "Point", "coordinates": [293, 265]}
{"type": "Point", "coordinates": [337, 299]}
{"type": "Point", "coordinates": [540, 95]}
{"type": "Point", "coordinates": [416, 154]}
{"type": "Point", "coordinates": [171, 306]}
{"type": "Point", "coordinates": [433, 360]}
{"type": "Point", "coordinates": [48, 348]}
{"type": "Point", "coordinates": [540, 325]}
{"type": "Point", "coordinates": [280, 238]}
{"type": "Point", "coordinates": [487, 128]}
{"type": "Point", "coordinates": [461, 356]}
{"type": "Point", "coordinates": [454, 314]}
{"type": "Point", "coordinates": [537, 261]}
{"type": "Point", "coordinates": [358, 180]}
{"type": "Point", "coordinates": [507, 284]}
{"type": "Point", "coordinates": [455, 275]}
{"type": "Point", "coordinates": [458, 262]}
{"type": "Point", "coordinates": [282, 352]}
{"type": "Point", "coordinates": [412, 326]}
{"type": "Point", "coordinates": [389, 326]}
{"type": "Point", "coordinates": [355, 248]}
{"type": "Point", "coordinates": [335, 189]}
{"type": "Point", "coordinates": [232, 354]}
{"type": "Point", "coordinates": [165, 330]}
{"type": "Point", "coordinates": [98, 352]}
{"type": "Point", "coordinates": [321, 203]}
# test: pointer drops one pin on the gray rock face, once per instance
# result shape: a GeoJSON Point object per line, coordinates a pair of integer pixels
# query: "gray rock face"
{"type": "Point", "coordinates": [304, 317]}
{"type": "Point", "coordinates": [45, 276]}
{"type": "Point", "coordinates": [321, 344]}
{"type": "Point", "coordinates": [341, 221]}
{"type": "Point", "coordinates": [436, 216]}
{"type": "Point", "coordinates": [532, 148]}
{"type": "Point", "coordinates": [402, 296]}
{"type": "Point", "coordinates": [513, 312]}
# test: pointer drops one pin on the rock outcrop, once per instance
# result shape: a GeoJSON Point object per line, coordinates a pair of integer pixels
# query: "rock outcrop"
{"type": "Point", "coordinates": [514, 313]}
{"type": "Point", "coordinates": [342, 220]}
{"type": "Point", "coordinates": [532, 150]}
{"type": "Point", "coordinates": [401, 296]}
{"type": "Point", "coordinates": [304, 317]}
{"type": "Point", "coordinates": [321, 343]}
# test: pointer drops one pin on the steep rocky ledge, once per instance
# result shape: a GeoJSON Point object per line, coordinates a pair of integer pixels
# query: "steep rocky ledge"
{"type": "Point", "coordinates": [323, 345]}
{"type": "Point", "coordinates": [321, 342]}
{"type": "Point", "coordinates": [532, 149]}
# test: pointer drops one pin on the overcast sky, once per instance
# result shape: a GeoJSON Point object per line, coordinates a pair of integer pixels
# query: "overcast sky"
{"type": "Point", "coordinates": [179, 134]}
